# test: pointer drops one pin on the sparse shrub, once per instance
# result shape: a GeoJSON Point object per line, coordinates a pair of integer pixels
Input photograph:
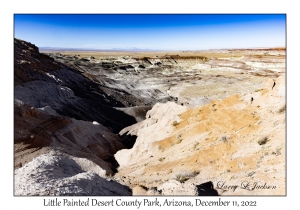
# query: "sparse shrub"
{"type": "Point", "coordinates": [282, 109]}
{"type": "Point", "coordinates": [223, 138]}
{"type": "Point", "coordinates": [179, 141]}
{"type": "Point", "coordinates": [183, 176]}
{"type": "Point", "coordinates": [226, 171]}
{"type": "Point", "coordinates": [161, 159]}
{"type": "Point", "coordinates": [195, 145]}
{"type": "Point", "coordinates": [160, 148]}
{"type": "Point", "coordinates": [277, 152]}
{"type": "Point", "coordinates": [175, 123]}
{"type": "Point", "coordinates": [251, 173]}
{"type": "Point", "coordinates": [263, 140]}
{"type": "Point", "coordinates": [182, 179]}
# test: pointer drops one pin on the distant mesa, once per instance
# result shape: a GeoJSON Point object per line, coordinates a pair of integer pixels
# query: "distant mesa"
{"type": "Point", "coordinates": [133, 49]}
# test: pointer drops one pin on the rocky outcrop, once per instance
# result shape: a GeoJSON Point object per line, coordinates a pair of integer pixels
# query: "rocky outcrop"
{"type": "Point", "coordinates": [189, 79]}
{"type": "Point", "coordinates": [228, 63]}
{"type": "Point", "coordinates": [157, 126]}
{"type": "Point", "coordinates": [203, 123]}
{"type": "Point", "coordinates": [56, 175]}
{"type": "Point", "coordinates": [42, 82]}
{"type": "Point", "coordinates": [240, 139]}
{"type": "Point", "coordinates": [59, 110]}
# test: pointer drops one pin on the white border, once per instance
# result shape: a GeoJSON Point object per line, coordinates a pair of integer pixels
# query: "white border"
{"type": "Point", "coordinates": [8, 8]}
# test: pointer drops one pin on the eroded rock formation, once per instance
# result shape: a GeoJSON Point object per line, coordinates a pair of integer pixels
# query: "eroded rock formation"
{"type": "Point", "coordinates": [233, 141]}
{"type": "Point", "coordinates": [172, 124]}
{"type": "Point", "coordinates": [58, 109]}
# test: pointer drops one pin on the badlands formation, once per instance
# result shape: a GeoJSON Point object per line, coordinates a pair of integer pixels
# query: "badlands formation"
{"type": "Point", "coordinates": [149, 123]}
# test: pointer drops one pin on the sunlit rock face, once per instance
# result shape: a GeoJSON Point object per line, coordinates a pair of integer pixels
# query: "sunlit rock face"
{"type": "Point", "coordinates": [237, 141]}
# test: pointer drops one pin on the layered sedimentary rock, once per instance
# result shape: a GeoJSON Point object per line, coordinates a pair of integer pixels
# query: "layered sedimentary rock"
{"type": "Point", "coordinates": [207, 123]}
{"type": "Point", "coordinates": [188, 79]}
{"type": "Point", "coordinates": [238, 141]}
{"type": "Point", "coordinates": [59, 110]}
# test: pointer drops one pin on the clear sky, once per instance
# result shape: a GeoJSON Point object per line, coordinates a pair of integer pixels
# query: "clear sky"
{"type": "Point", "coordinates": [152, 31]}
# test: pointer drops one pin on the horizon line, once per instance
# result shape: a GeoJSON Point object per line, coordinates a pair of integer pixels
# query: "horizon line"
{"type": "Point", "coordinates": [147, 49]}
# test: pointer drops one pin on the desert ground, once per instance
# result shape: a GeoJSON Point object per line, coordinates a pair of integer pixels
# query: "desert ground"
{"type": "Point", "coordinates": [207, 122]}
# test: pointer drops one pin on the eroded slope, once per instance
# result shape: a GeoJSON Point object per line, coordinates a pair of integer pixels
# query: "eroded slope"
{"type": "Point", "coordinates": [59, 111]}
{"type": "Point", "coordinates": [235, 140]}
{"type": "Point", "coordinates": [217, 117]}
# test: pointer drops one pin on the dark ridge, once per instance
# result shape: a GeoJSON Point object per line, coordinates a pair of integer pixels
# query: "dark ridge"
{"type": "Point", "coordinates": [93, 103]}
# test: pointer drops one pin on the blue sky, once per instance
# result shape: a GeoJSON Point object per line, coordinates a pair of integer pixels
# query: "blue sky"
{"type": "Point", "coordinates": [160, 32]}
